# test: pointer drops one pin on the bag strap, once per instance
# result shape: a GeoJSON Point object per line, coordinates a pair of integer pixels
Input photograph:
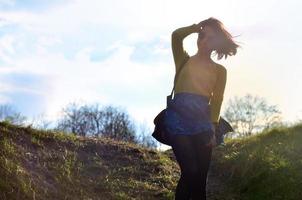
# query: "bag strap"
{"type": "Point", "coordinates": [177, 74]}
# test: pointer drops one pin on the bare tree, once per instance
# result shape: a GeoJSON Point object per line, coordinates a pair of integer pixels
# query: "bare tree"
{"type": "Point", "coordinates": [117, 124]}
{"type": "Point", "coordinates": [107, 121]}
{"type": "Point", "coordinates": [94, 114]}
{"type": "Point", "coordinates": [8, 113]}
{"type": "Point", "coordinates": [251, 114]}
{"type": "Point", "coordinates": [73, 120]}
{"type": "Point", "coordinates": [40, 122]}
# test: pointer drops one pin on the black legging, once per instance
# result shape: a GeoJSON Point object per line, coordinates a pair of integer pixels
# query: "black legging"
{"type": "Point", "coordinates": [194, 160]}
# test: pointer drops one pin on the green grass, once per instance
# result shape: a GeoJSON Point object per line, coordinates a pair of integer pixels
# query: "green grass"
{"type": "Point", "coordinates": [266, 166]}
{"type": "Point", "coordinates": [15, 182]}
{"type": "Point", "coordinates": [37, 164]}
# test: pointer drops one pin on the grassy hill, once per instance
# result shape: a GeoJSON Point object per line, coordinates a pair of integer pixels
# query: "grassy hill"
{"type": "Point", "coordinates": [45, 165]}
{"type": "Point", "coordinates": [37, 164]}
{"type": "Point", "coordinates": [265, 166]}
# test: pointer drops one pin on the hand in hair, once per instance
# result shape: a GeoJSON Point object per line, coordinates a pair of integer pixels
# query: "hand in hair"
{"type": "Point", "coordinates": [200, 24]}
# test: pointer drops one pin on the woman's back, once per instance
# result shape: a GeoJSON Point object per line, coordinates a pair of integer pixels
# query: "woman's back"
{"type": "Point", "coordinates": [192, 116]}
{"type": "Point", "coordinates": [197, 77]}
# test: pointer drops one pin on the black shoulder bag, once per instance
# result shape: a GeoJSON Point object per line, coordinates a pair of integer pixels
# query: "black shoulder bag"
{"type": "Point", "coordinates": [159, 132]}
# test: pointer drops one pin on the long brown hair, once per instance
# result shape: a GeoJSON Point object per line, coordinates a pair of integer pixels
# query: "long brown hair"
{"type": "Point", "coordinates": [227, 45]}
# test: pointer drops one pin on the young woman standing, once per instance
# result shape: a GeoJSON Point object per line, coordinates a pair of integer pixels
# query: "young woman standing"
{"type": "Point", "coordinates": [194, 111]}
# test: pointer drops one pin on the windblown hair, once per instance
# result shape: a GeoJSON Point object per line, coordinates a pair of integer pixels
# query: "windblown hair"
{"type": "Point", "coordinates": [227, 45]}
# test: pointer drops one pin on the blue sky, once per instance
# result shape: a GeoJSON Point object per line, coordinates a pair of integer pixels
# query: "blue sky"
{"type": "Point", "coordinates": [118, 52]}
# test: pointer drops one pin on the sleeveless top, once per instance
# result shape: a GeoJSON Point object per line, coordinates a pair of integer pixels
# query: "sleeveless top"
{"type": "Point", "coordinates": [196, 79]}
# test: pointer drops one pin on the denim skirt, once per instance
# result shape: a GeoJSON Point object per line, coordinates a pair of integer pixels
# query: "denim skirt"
{"type": "Point", "coordinates": [188, 114]}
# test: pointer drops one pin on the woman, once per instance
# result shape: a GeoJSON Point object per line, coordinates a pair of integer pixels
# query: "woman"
{"type": "Point", "coordinates": [194, 111]}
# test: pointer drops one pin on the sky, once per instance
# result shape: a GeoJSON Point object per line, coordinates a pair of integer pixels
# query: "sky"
{"type": "Point", "coordinates": [119, 53]}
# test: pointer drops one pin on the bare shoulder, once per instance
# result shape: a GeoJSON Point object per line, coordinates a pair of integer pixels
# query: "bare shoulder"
{"type": "Point", "coordinates": [221, 68]}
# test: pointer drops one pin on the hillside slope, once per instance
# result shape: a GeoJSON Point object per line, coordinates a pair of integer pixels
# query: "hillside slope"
{"type": "Point", "coordinates": [267, 166]}
{"type": "Point", "coordinates": [45, 165]}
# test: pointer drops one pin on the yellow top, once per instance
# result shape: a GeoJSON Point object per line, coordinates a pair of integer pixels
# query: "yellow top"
{"type": "Point", "coordinates": [203, 80]}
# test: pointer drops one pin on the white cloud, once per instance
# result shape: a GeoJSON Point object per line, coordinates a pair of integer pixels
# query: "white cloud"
{"type": "Point", "coordinates": [138, 21]}
{"type": "Point", "coordinates": [7, 48]}
{"type": "Point", "coordinates": [117, 79]}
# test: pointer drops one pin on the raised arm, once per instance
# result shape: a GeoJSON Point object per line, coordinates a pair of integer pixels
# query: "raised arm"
{"type": "Point", "coordinates": [218, 93]}
{"type": "Point", "coordinates": [179, 54]}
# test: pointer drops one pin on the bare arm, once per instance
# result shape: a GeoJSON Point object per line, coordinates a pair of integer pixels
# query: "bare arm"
{"type": "Point", "coordinates": [179, 54]}
{"type": "Point", "coordinates": [218, 94]}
